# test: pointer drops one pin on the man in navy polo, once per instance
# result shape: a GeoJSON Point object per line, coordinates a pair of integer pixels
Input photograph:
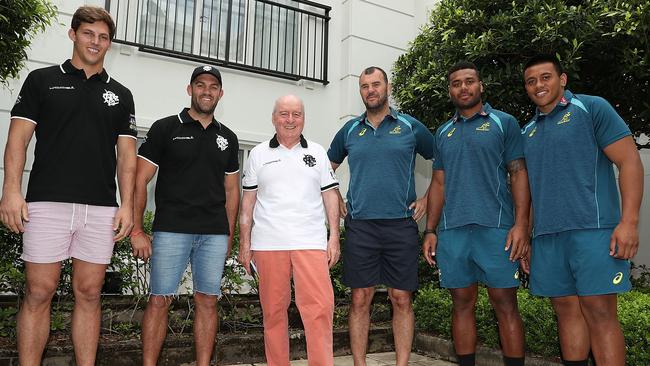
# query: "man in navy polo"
{"type": "Point", "coordinates": [582, 240]}
{"type": "Point", "coordinates": [197, 198]}
{"type": "Point", "coordinates": [81, 116]}
{"type": "Point", "coordinates": [381, 243]}
{"type": "Point", "coordinates": [478, 214]}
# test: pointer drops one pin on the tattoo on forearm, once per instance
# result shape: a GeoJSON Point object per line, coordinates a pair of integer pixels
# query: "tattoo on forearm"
{"type": "Point", "coordinates": [516, 165]}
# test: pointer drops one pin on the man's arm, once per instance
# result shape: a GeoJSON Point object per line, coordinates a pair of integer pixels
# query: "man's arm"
{"type": "Point", "coordinates": [13, 208]}
{"type": "Point", "coordinates": [140, 242]}
{"type": "Point", "coordinates": [245, 226]}
{"type": "Point", "coordinates": [343, 209]}
{"type": "Point", "coordinates": [126, 163]}
{"type": "Point", "coordinates": [231, 183]}
{"type": "Point", "coordinates": [519, 235]}
{"type": "Point", "coordinates": [624, 154]}
{"type": "Point", "coordinates": [331, 202]}
{"type": "Point", "coordinates": [436, 200]}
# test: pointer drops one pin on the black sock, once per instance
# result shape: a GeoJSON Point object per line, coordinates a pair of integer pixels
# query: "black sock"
{"type": "Point", "coordinates": [514, 361]}
{"type": "Point", "coordinates": [467, 360]}
{"type": "Point", "coordinates": [576, 363]}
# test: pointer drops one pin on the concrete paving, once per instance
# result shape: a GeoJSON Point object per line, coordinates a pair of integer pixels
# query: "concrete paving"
{"type": "Point", "coordinates": [375, 359]}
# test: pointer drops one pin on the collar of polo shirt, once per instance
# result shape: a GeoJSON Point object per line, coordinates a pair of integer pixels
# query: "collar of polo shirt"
{"type": "Point", "coordinates": [68, 68]}
{"type": "Point", "coordinates": [275, 143]}
{"type": "Point", "coordinates": [185, 117]}
{"type": "Point", "coordinates": [487, 108]}
{"type": "Point", "coordinates": [565, 101]}
{"type": "Point", "coordinates": [391, 112]}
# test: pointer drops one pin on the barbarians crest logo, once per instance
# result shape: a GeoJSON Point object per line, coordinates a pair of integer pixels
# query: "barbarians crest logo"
{"type": "Point", "coordinates": [110, 98]}
{"type": "Point", "coordinates": [309, 160]}
{"type": "Point", "coordinates": [222, 143]}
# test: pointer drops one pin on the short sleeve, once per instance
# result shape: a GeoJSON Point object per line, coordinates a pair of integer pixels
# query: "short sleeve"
{"type": "Point", "coordinates": [514, 141]}
{"type": "Point", "coordinates": [249, 179]}
{"type": "Point", "coordinates": [337, 151]}
{"type": "Point", "coordinates": [127, 126]}
{"type": "Point", "coordinates": [437, 158]}
{"type": "Point", "coordinates": [609, 127]}
{"type": "Point", "coordinates": [233, 160]}
{"type": "Point", "coordinates": [28, 102]}
{"type": "Point", "coordinates": [328, 179]}
{"type": "Point", "coordinates": [153, 146]}
{"type": "Point", "coordinates": [423, 140]}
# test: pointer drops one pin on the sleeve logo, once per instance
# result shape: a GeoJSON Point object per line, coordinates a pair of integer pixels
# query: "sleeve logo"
{"type": "Point", "coordinates": [18, 99]}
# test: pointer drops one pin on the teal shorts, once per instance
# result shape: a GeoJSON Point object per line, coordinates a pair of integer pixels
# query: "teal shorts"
{"type": "Point", "coordinates": [577, 262]}
{"type": "Point", "coordinates": [472, 253]}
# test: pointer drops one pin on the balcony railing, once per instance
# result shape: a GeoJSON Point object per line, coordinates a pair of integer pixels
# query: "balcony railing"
{"type": "Point", "coordinates": [281, 38]}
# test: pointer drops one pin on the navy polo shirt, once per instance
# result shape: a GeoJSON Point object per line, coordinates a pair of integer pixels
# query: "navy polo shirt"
{"type": "Point", "coordinates": [382, 163]}
{"type": "Point", "coordinates": [78, 121]}
{"type": "Point", "coordinates": [192, 162]}
{"type": "Point", "coordinates": [474, 154]}
{"type": "Point", "coordinates": [572, 181]}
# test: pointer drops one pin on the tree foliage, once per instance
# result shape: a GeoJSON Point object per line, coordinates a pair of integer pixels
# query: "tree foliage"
{"type": "Point", "coordinates": [603, 45]}
{"type": "Point", "coordinates": [20, 21]}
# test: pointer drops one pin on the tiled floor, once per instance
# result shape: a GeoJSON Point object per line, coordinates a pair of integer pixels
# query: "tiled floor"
{"type": "Point", "coordinates": [375, 359]}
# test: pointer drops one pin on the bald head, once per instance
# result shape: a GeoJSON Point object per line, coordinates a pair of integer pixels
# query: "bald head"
{"type": "Point", "coordinates": [291, 99]}
{"type": "Point", "coordinates": [288, 119]}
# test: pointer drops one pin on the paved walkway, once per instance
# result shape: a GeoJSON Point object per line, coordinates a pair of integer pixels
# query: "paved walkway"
{"type": "Point", "coordinates": [375, 359]}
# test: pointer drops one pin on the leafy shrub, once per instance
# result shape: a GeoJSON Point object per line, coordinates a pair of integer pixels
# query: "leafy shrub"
{"type": "Point", "coordinates": [433, 313]}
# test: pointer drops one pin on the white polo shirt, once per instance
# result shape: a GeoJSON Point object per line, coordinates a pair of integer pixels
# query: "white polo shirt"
{"type": "Point", "coordinates": [289, 212]}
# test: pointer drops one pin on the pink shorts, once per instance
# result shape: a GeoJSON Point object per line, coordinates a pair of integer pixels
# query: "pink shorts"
{"type": "Point", "coordinates": [57, 231]}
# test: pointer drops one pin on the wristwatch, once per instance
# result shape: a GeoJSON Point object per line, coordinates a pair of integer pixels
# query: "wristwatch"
{"type": "Point", "coordinates": [429, 231]}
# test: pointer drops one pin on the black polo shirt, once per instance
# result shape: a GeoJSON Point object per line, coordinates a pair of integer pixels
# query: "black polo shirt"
{"type": "Point", "coordinates": [78, 122]}
{"type": "Point", "coordinates": [192, 162]}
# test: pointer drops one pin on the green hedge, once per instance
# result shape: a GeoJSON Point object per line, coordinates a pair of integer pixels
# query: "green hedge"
{"type": "Point", "coordinates": [433, 313]}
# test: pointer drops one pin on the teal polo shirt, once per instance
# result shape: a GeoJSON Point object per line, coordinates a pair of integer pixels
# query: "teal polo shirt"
{"type": "Point", "coordinates": [382, 163]}
{"type": "Point", "coordinates": [572, 181]}
{"type": "Point", "coordinates": [474, 153]}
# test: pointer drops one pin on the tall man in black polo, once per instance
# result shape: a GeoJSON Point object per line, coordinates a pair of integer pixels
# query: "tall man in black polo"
{"type": "Point", "coordinates": [197, 198]}
{"type": "Point", "coordinates": [79, 114]}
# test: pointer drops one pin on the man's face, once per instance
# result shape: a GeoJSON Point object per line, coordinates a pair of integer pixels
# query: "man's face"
{"type": "Point", "coordinates": [374, 90]}
{"type": "Point", "coordinates": [91, 41]}
{"type": "Point", "coordinates": [205, 91]}
{"type": "Point", "coordinates": [288, 119]}
{"type": "Point", "coordinates": [544, 86]}
{"type": "Point", "coordinates": [465, 89]}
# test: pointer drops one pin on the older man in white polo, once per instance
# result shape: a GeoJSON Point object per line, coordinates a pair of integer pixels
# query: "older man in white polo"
{"type": "Point", "coordinates": [287, 182]}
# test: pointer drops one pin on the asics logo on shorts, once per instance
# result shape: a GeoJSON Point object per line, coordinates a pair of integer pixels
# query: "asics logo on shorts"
{"type": "Point", "coordinates": [618, 278]}
{"type": "Point", "coordinates": [516, 276]}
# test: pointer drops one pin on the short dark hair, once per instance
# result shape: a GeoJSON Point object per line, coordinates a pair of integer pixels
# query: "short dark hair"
{"type": "Point", "coordinates": [370, 70]}
{"type": "Point", "coordinates": [542, 58]}
{"type": "Point", "coordinates": [462, 65]}
{"type": "Point", "coordinates": [92, 14]}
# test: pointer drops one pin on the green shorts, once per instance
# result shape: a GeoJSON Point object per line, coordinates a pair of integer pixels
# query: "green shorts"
{"type": "Point", "coordinates": [577, 262]}
{"type": "Point", "coordinates": [472, 253]}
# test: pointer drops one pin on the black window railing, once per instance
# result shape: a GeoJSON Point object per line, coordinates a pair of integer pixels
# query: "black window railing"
{"type": "Point", "coordinates": [282, 38]}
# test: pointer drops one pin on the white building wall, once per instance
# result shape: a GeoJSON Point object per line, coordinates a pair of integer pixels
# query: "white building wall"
{"type": "Point", "coordinates": [361, 33]}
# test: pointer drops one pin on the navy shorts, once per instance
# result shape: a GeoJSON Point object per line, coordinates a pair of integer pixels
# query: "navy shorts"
{"type": "Point", "coordinates": [381, 252]}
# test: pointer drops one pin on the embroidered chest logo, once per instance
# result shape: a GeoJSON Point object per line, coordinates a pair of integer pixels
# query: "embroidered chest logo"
{"type": "Point", "coordinates": [309, 160]}
{"type": "Point", "coordinates": [532, 132]}
{"type": "Point", "coordinates": [110, 98]}
{"type": "Point", "coordinates": [396, 131]}
{"type": "Point", "coordinates": [451, 132]}
{"type": "Point", "coordinates": [565, 118]}
{"type": "Point", "coordinates": [363, 132]}
{"type": "Point", "coordinates": [484, 127]}
{"type": "Point", "coordinates": [222, 143]}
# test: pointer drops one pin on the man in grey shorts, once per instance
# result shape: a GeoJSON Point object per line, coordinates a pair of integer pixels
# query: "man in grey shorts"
{"type": "Point", "coordinates": [70, 209]}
